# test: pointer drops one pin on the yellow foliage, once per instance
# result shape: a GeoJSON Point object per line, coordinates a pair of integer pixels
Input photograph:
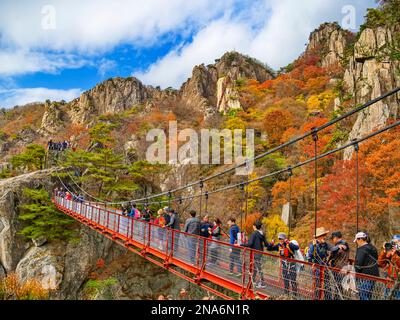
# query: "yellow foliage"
{"type": "Point", "coordinates": [319, 102]}
{"type": "Point", "coordinates": [255, 193]}
{"type": "Point", "coordinates": [274, 225]}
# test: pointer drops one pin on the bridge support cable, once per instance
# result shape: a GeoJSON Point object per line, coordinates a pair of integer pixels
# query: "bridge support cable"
{"type": "Point", "coordinates": [201, 197]}
{"type": "Point", "coordinates": [315, 139]}
{"type": "Point", "coordinates": [206, 202]}
{"type": "Point", "coordinates": [356, 149]}
{"type": "Point", "coordinates": [290, 173]}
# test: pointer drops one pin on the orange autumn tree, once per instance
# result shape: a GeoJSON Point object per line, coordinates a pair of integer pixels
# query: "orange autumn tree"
{"type": "Point", "coordinates": [280, 191]}
{"type": "Point", "coordinates": [379, 172]}
{"type": "Point", "coordinates": [276, 122]}
{"type": "Point", "coordinates": [338, 198]}
{"type": "Point", "coordinates": [382, 160]}
{"type": "Point", "coordinates": [247, 226]}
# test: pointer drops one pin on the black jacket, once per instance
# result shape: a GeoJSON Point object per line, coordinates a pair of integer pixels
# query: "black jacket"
{"type": "Point", "coordinates": [366, 261]}
{"type": "Point", "coordinates": [257, 241]}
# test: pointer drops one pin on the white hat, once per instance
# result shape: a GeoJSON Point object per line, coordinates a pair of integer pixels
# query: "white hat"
{"type": "Point", "coordinates": [360, 235]}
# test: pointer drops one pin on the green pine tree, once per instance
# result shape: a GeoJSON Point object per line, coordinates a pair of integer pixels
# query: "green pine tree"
{"type": "Point", "coordinates": [32, 158]}
{"type": "Point", "coordinates": [41, 218]}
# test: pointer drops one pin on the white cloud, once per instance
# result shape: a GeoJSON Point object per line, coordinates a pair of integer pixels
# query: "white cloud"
{"type": "Point", "coordinates": [94, 25]}
{"type": "Point", "coordinates": [13, 97]}
{"type": "Point", "coordinates": [208, 44]}
{"type": "Point", "coordinates": [22, 62]}
{"type": "Point", "coordinates": [105, 66]}
{"type": "Point", "coordinates": [276, 34]}
{"type": "Point", "coordinates": [35, 38]}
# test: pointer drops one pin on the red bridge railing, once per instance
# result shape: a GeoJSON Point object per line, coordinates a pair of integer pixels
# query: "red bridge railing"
{"type": "Point", "coordinates": [208, 263]}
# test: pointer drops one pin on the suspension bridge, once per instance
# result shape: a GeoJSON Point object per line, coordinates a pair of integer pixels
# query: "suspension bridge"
{"type": "Point", "coordinates": [205, 262]}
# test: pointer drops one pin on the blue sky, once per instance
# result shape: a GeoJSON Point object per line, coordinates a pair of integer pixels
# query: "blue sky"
{"type": "Point", "coordinates": [56, 49]}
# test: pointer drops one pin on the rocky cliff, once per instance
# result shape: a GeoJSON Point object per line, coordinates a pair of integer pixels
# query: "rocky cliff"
{"type": "Point", "coordinates": [331, 41]}
{"type": "Point", "coordinates": [372, 72]}
{"type": "Point", "coordinates": [212, 88]}
{"type": "Point", "coordinates": [66, 266]}
{"type": "Point", "coordinates": [111, 96]}
{"type": "Point", "coordinates": [369, 71]}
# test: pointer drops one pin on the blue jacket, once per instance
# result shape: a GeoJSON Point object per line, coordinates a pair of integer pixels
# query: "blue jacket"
{"type": "Point", "coordinates": [318, 253]}
{"type": "Point", "coordinates": [233, 233]}
{"type": "Point", "coordinates": [204, 229]}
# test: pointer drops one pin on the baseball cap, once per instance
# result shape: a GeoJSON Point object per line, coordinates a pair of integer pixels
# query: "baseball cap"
{"type": "Point", "coordinates": [360, 235]}
{"type": "Point", "coordinates": [281, 236]}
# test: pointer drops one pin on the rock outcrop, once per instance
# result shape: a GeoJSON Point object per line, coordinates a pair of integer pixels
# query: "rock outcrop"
{"type": "Point", "coordinates": [53, 119]}
{"type": "Point", "coordinates": [371, 73]}
{"type": "Point", "coordinates": [331, 40]}
{"type": "Point", "coordinates": [212, 88]}
{"type": "Point", "coordinates": [111, 96]}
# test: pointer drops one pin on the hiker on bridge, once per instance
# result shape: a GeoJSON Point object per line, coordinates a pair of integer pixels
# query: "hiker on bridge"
{"type": "Point", "coordinates": [318, 253]}
{"type": "Point", "coordinates": [365, 263]}
{"type": "Point", "coordinates": [389, 260]}
{"type": "Point", "coordinates": [257, 241]}
{"type": "Point", "coordinates": [192, 226]}
{"type": "Point", "coordinates": [215, 234]}
{"type": "Point", "coordinates": [205, 225]}
{"type": "Point", "coordinates": [338, 257]}
{"type": "Point", "coordinates": [234, 256]}
{"type": "Point", "coordinates": [286, 250]}
{"type": "Point", "coordinates": [174, 220]}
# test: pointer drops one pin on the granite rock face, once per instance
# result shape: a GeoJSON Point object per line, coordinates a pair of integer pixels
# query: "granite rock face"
{"type": "Point", "coordinates": [370, 74]}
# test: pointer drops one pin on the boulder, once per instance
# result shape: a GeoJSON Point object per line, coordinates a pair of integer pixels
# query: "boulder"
{"type": "Point", "coordinates": [44, 264]}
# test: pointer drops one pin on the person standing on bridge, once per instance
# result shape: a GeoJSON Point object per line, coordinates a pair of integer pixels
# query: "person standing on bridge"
{"type": "Point", "coordinates": [257, 241]}
{"type": "Point", "coordinates": [318, 254]}
{"type": "Point", "coordinates": [192, 227]}
{"type": "Point", "coordinates": [215, 234]}
{"type": "Point", "coordinates": [286, 250]}
{"type": "Point", "coordinates": [174, 224]}
{"type": "Point", "coordinates": [234, 257]}
{"type": "Point", "coordinates": [366, 262]}
{"type": "Point", "coordinates": [205, 225]}
{"type": "Point", "coordinates": [389, 260]}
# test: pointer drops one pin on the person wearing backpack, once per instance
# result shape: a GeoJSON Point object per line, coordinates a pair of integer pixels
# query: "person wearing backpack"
{"type": "Point", "coordinates": [192, 227]}
{"type": "Point", "coordinates": [286, 250]}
